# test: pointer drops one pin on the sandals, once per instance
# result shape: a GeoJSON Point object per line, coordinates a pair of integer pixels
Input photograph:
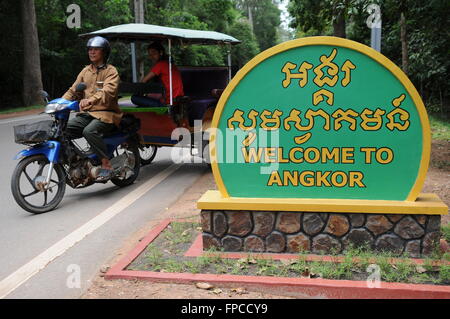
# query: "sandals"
{"type": "Point", "coordinates": [104, 174]}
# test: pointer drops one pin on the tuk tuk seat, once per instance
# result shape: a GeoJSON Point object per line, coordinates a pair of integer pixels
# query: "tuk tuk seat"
{"type": "Point", "coordinates": [198, 82]}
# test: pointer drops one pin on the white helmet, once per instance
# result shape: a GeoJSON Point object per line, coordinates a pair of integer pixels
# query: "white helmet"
{"type": "Point", "coordinates": [100, 42]}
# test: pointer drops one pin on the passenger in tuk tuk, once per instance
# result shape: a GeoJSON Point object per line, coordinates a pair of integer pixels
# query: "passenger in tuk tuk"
{"type": "Point", "coordinates": [160, 69]}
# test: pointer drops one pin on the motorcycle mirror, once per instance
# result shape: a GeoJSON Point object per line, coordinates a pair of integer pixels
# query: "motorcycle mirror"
{"type": "Point", "coordinates": [80, 87]}
{"type": "Point", "coordinates": [44, 94]}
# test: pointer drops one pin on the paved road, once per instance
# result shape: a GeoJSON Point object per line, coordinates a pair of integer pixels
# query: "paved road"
{"type": "Point", "coordinates": [86, 229]}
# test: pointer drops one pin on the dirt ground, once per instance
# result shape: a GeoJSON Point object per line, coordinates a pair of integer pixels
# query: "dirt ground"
{"type": "Point", "coordinates": [21, 113]}
{"type": "Point", "coordinates": [124, 289]}
{"type": "Point", "coordinates": [437, 181]}
{"type": "Point", "coordinates": [438, 176]}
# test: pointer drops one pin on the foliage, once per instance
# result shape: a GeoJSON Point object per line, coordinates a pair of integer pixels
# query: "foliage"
{"type": "Point", "coordinates": [11, 49]}
{"type": "Point", "coordinates": [428, 48]}
{"type": "Point", "coordinates": [319, 15]}
{"type": "Point", "coordinates": [445, 229]}
{"type": "Point", "coordinates": [265, 20]}
{"type": "Point", "coordinates": [63, 53]}
{"type": "Point", "coordinates": [248, 47]}
{"type": "Point", "coordinates": [219, 15]}
{"type": "Point", "coordinates": [427, 40]}
{"type": "Point", "coordinates": [216, 15]}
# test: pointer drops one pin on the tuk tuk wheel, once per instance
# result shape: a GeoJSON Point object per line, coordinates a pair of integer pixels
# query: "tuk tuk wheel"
{"type": "Point", "coordinates": [147, 153]}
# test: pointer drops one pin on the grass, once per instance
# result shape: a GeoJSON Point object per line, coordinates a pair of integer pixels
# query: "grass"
{"type": "Point", "coordinates": [445, 231]}
{"type": "Point", "coordinates": [165, 254]}
{"type": "Point", "coordinates": [440, 129]}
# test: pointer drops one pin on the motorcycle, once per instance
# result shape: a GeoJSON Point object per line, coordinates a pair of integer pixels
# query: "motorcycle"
{"type": "Point", "coordinates": [53, 160]}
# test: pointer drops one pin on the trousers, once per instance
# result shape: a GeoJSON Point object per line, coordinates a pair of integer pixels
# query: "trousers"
{"type": "Point", "coordinates": [144, 101]}
{"type": "Point", "coordinates": [92, 129]}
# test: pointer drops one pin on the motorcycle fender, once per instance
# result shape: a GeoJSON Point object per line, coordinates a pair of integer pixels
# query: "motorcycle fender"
{"type": "Point", "coordinates": [50, 149]}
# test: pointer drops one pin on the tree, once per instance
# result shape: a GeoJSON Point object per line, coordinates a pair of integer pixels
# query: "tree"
{"type": "Point", "coordinates": [248, 47]}
{"type": "Point", "coordinates": [63, 52]}
{"type": "Point", "coordinates": [264, 20]}
{"type": "Point", "coordinates": [266, 23]}
{"type": "Point", "coordinates": [319, 14]}
{"type": "Point", "coordinates": [214, 15]}
{"type": "Point", "coordinates": [11, 51]}
{"type": "Point", "coordinates": [219, 15]}
{"type": "Point", "coordinates": [32, 80]}
{"type": "Point", "coordinates": [423, 49]}
{"type": "Point", "coordinates": [413, 37]}
{"type": "Point", "coordinates": [339, 16]}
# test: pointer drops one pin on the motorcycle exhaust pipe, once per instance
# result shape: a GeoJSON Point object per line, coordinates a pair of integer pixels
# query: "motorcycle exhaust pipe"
{"type": "Point", "coordinates": [94, 171]}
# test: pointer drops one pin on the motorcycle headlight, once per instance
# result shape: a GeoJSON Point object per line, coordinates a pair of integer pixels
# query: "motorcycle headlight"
{"type": "Point", "coordinates": [54, 107]}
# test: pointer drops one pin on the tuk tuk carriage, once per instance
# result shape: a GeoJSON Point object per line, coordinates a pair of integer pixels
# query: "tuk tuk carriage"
{"type": "Point", "coordinates": [202, 87]}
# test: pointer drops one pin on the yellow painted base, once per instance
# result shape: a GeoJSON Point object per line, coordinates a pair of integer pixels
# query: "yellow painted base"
{"type": "Point", "coordinates": [426, 204]}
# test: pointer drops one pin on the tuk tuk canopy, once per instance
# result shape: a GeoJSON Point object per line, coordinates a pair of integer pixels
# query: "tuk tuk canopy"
{"type": "Point", "coordinates": [145, 32]}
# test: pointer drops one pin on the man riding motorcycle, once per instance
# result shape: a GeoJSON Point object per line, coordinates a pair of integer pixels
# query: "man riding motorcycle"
{"type": "Point", "coordinates": [99, 110]}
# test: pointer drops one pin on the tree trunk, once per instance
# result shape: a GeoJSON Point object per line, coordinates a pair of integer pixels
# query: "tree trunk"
{"type": "Point", "coordinates": [404, 40]}
{"type": "Point", "coordinates": [140, 56]}
{"type": "Point", "coordinates": [250, 17]}
{"type": "Point", "coordinates": [339, 25]}
{"type": "Point", "coordinates": [32, 77]}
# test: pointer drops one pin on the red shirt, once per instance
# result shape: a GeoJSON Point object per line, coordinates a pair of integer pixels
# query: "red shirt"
{"type": "Point", "coordinates": [161, 69]}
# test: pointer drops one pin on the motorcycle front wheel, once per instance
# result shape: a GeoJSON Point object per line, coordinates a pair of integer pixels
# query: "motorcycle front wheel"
{"type": "Point", "coordinates": [28, 184]}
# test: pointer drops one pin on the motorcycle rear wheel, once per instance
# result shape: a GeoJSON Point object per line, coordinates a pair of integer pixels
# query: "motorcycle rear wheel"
{"type": "Point", "coordinates": [22, 181]}
{"type": "Point", "coordinates": [122, 182]}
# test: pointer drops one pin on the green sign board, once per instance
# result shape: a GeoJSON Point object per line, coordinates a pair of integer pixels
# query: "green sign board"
{"type": "Point", "coordinates": [320, 117]}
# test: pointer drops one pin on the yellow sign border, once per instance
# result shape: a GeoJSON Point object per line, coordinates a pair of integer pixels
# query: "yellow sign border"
{"type": "Point", "coordinates": [329, 41]}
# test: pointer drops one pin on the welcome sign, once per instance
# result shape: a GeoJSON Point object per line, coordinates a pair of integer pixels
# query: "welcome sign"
{"type": "Point", "coordinates": [320, 118]}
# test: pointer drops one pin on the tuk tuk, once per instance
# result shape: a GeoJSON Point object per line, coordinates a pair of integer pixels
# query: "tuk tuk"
{"type": "Point", "coordinates": [202, 87]}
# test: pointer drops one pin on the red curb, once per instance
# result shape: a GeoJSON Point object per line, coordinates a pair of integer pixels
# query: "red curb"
{"type": "Point", "coordinates": [196, 249]}
{"type": "Point", "coordinates": [132, 255]}
{"type": "Point", "coordinates": [298, 287]}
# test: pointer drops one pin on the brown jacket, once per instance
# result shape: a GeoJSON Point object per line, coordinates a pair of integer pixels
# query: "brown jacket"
{"type": "Point", "coordinates": [102, 90]}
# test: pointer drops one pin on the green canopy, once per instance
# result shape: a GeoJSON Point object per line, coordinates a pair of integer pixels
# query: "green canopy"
{"type": "Point", "coordinates": [146, 32]}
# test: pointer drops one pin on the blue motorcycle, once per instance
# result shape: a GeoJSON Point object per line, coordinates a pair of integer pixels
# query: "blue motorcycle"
{"type": "Point", "coordinates": [53, 159]}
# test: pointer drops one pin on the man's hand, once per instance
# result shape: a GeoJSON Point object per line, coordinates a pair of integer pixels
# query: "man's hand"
{"type": "Point", "coordinates": [85, 104]}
